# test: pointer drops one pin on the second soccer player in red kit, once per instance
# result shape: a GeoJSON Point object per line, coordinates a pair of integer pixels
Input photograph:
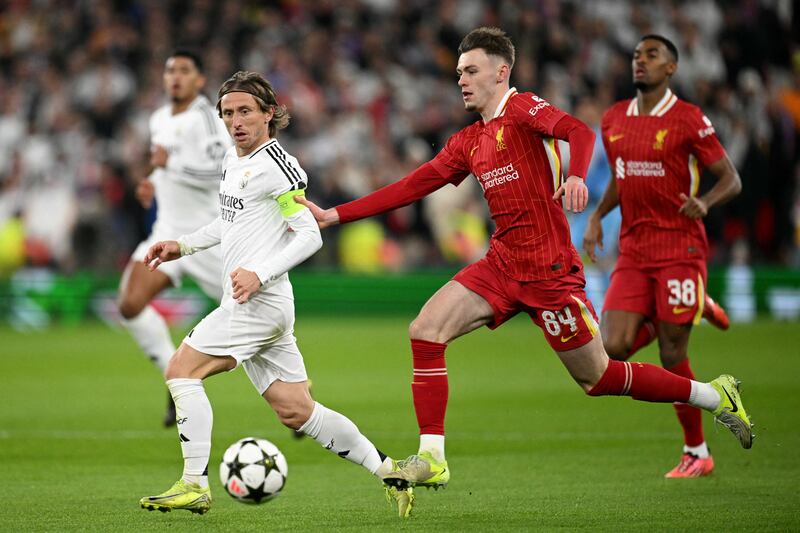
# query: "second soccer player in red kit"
{"type": "Point", "coordinates": [531, 265]}
{"type": "Point", "coordinates": [657, 145]}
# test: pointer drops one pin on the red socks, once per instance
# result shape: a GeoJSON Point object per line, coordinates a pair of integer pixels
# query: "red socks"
{"type": "Point", "coordinates": [429, 386]}
{"type": "Point", "coordinates": [642, 381]}
{"type": "Point", "coordinates": [690, 417]}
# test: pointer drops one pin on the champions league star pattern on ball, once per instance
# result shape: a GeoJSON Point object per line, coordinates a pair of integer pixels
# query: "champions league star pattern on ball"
{"type": "Point", "coordinates": [253, 470]}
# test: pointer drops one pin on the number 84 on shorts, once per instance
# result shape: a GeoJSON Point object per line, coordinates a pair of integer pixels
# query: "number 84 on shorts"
{"type": "Point", "coordinates": [570, 326]}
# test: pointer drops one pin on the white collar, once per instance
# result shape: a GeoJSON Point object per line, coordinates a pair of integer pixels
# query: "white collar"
{"type": "Point", "coordinates": [663, 105]}
{"type": "Point", "coordinates": [198, 101]}
{"type": "Point", "coordinates": [260, 147]}
{"type": "Point", "coordinates": [501, 107]}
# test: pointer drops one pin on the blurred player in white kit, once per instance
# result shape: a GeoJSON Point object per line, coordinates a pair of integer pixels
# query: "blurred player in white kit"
{"type": "Point", "coordinates": [188, 141]}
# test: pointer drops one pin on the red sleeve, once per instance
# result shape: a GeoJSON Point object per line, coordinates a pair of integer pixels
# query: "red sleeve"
{"type": "Point", "coordinates": [541, 117]}
{"type": "Point", "coordinates": [416, 185]}
{"type": "Point", "coordinates": [449, 166]}
{"type": "Point", "coordinates": [705, 145]}
{"type": "Point", "coordinates": [451, 161]}
{"type": "Point", "coordinates": [535, 113]}
{"type": "Point", "coordinates": [581, 144]}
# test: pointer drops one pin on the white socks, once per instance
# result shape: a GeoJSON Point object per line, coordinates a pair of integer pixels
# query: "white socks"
{"type": "Point", "coordinates": [332, 430]}
{"type": "Point", "coordinates": [700, 451]}
{"type": "Point", "coordinates": [335, 432]}
{"type": "Point", "coordinates": [704, 396]}
{"type": "Point", "coordinates": [151, 333]}
{"type": "Point", "coordinates": [434, 444]}
{"type": "Point", "coordinates": [195, 418]}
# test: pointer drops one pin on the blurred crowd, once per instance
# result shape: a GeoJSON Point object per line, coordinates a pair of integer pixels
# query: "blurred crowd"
{"type": "Point", "coordinates": [371, 87]}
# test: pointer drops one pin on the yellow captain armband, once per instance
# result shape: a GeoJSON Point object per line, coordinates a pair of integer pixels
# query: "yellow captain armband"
{"type": "Point", "coordinates": [287, 204]}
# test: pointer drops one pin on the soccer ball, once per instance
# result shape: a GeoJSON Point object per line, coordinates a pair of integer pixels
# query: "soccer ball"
{"type": "Point", "coordinates": [253, 470]}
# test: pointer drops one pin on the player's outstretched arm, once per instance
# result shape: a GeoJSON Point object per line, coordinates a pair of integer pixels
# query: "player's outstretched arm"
{"type": "Point", "coordinates": [161, 252]}
{"type": "Point", "coordinates": [324, 217]}
{"type": "Point", "coordinates": [575, 193]}
{"type": "Point", "coordinates": [416, 185]}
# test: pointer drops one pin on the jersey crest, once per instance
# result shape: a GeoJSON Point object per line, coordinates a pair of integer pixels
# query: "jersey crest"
{"type": "Point", "coordinates": [660, 135]}
{"type": "Point", "coordinates": [499, 137]}
{"type": "Point", "coordinates": [245, 180]}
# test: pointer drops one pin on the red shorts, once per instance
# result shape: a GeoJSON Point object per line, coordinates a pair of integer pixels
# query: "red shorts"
{"type": "Point", "coordinates": [558, 306]}
{"type": "Point", "coordinates": [668, 292]}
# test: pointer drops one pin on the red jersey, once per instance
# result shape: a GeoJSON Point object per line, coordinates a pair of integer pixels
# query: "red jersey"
{"type": "Point", "coordinates": [656, 158]}
{"type": "Point", "coordinates": [516, 160]}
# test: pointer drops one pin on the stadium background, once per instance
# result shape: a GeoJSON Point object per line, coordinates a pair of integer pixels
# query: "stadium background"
{"type": "Point", "coordinates": [371, 87]}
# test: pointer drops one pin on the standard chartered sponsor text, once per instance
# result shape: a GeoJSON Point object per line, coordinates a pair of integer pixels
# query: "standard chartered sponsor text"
{"type": "Point", "coordinates": [498, 176]}
{"type": "Point", "coordinates": [644, 168]}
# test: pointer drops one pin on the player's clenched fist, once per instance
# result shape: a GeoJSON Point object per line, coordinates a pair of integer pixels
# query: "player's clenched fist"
{"type": "Point", "coordinates": [158, 156]}
{"type": "Point", "coordinates": [245, 284]}
{"type": "Point", "coordinates": [693, 207]}
{"type": "Point", "coordinates": [161, 252]}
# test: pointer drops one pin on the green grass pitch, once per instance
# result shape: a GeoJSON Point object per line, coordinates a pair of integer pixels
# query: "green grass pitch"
{"type": "Point", "coordinates": [81, 441]}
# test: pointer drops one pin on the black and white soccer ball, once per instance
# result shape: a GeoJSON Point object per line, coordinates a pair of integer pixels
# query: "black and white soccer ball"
{"type": "Point", "coordinates": [253, 470]}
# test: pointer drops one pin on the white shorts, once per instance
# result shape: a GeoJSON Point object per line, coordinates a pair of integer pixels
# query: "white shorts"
{"type": "Point", "coordinates": [204, 267]}
{"type": "Point", "coordinates": [259, 334]}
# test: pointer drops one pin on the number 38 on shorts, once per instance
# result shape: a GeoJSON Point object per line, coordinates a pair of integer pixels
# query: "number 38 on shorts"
{"type": "Point", "coordinates": [682, 302]}
{"type": "Point", "coordinates": [569, 327]}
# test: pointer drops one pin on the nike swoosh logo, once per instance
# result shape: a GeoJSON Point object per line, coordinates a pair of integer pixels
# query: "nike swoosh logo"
{"type": "Point", "coordinates": [735, 407]}
{"type": "Point", "coordinates": [568, 338]}
{"type": "Point", "coordinates": [615, 138]}
{"type": "Point", "coordinates": [679, 310]}
{"type": "Point", "coordinates": [156, 498]}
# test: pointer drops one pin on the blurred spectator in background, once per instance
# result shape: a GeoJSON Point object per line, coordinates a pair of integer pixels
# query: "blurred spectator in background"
{"type": "Point", "coordinates": [77, 83]}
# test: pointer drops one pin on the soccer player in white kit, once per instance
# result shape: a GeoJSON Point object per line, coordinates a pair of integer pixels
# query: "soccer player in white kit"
{"type": "Point", "coordinates": [263, 233]}
{"type": "Point", "coordinates": [188, 141]}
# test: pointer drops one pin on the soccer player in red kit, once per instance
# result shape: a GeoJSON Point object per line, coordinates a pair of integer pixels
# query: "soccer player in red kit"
{"type": "Point", "coordinates": [531, 265]}
{"type": "Point", "coordinates": [657, 146]}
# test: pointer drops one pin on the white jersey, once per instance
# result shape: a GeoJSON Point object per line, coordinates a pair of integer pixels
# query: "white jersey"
{"type": "Point", "coordinates": [259, 227]}
{"type": "Point", "coordinates": [186, 189]}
